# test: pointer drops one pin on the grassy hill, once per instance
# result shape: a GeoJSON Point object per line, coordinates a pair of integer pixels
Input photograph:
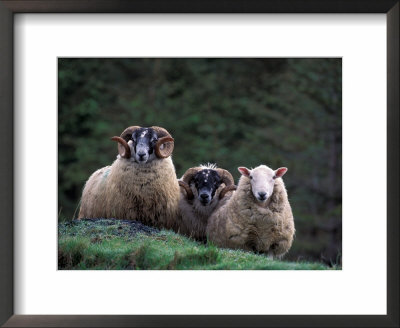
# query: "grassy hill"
{"type": "Point", "coordinates": [104, 244]}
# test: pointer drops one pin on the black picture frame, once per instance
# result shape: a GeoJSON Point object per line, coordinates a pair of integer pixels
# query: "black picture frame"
{"type": "Point", "coordinates": [10, 7]}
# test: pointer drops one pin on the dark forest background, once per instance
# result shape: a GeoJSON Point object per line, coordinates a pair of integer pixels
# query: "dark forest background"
{"type": "Point", "coordinates": [233, 112]}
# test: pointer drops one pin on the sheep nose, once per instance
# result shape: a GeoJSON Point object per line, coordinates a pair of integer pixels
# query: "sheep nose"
{"type": "Point", "coordinates": [141, 155]}
{"type": "Point", "coordinates": [262, 194]}
{"type": "Point", "coordinates": [204, 196]}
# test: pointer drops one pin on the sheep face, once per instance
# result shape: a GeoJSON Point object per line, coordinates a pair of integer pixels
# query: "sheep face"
{"type": "Point", "coordinates": [206, 182]}
{"type": "Point", "coordinates": [262, 180]}
{"type": "Point", "coordinates": [203, 183]}
{"type": "Point", "coordinates": [142, 145]}
{"type": "Point", "coordinates": [145, 144]}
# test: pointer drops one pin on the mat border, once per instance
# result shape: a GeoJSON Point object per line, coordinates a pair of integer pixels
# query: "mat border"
{"type": "Point", "coordinates": [10, 7]}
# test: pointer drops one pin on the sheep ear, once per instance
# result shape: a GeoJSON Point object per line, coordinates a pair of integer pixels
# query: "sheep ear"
{"type": "Point", "coordinates": [280, 172]}
{"type": "Point", "coordinates": [244, 171]}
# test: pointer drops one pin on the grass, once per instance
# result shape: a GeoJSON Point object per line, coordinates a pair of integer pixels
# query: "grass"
{"type": "Point", "coordinates": [121, 245]}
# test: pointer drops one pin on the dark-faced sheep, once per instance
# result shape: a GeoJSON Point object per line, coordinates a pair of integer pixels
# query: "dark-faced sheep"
{"type": "Point", "coordinates": [257, 217]}
{"type": "Point", "coordinates": [202, 189]}
{"type": "Point", "coordinates": [140, 185]}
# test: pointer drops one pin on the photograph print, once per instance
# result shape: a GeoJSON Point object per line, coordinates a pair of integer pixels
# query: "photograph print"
{"type": "Point", "coordinates": [199, 163]}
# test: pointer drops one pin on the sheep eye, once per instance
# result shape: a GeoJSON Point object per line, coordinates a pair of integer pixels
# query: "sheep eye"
{"type": "Point", "coordinates": [251, 177]}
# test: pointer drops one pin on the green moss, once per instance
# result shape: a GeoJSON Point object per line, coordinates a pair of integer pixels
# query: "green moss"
{"type": "Point", "coordinates": [111, 245]}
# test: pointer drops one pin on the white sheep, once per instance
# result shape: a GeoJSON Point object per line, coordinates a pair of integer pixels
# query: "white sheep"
{"type": "Point", "coordinates": [257, 217]}
{"type": "Point", "coordinates": [202, 189]}
{"type": "Point", "coordinates": [140, 185]}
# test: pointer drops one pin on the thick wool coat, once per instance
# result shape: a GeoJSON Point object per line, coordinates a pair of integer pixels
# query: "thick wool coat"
{"type": "Point", "coordinates": [148, 193]}
{"type": "Point", "coordinates": [242, 222]}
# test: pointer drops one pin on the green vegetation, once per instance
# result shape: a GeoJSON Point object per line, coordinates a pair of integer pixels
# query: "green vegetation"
{"type": "Point", "coordinates": [234, 112]}
{"type": "Point", "coordinates": [121, 245]}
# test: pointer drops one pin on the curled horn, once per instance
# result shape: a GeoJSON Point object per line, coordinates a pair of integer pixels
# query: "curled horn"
{"type": "Point", "coordinates": [164, 147]}
{"type": "Point", "coordinates": [127, 133]}
{"type": "Point", "coordinates": [185, 182]}
{"type": "Point", "coordinates": [165, 144]}
{"type": "Point", "coordinates": [227, 178]}
{"type": "Point", "coordinates": [189, 174]}
{"type": "Point", "coordinates": [123, 147]}
{"type": "Point", "coordinates": [226, 190]}
{"type": "Point", "coordinates": [189, 192]}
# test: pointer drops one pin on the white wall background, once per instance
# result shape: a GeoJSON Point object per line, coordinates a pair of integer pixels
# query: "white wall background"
{"type": "Point", "coordinates": [360, 288]}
